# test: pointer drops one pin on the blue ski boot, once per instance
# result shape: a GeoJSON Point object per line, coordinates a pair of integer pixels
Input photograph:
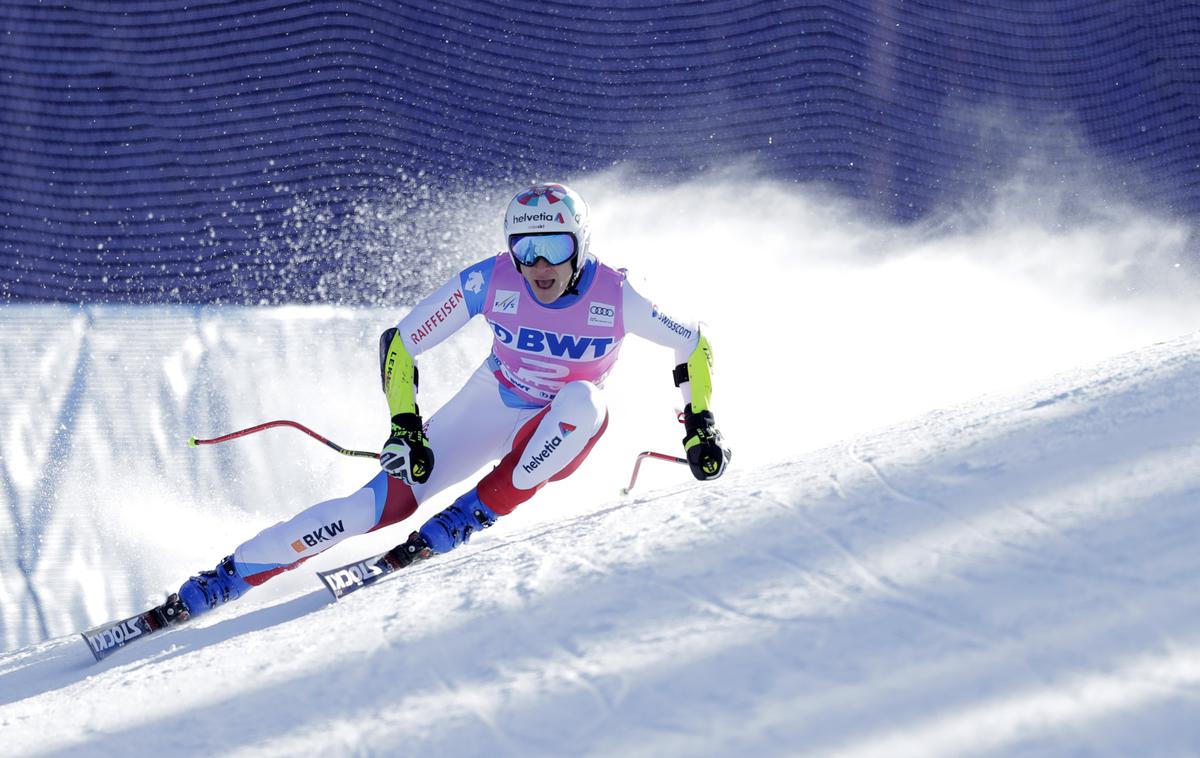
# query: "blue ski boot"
{"type": "Point", "coordinates": [455, 525]}
{"type": "Point", "coordinates": [211, 588]}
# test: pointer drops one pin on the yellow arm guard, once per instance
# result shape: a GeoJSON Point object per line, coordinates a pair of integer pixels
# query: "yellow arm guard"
{"type": "Point", "coordinates": [698, 371]}
{"type": "Point", "coordinates": [399, 373]}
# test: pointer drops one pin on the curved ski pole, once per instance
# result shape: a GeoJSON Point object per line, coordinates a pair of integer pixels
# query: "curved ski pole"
{"type": "Point", "coordinates": [638, 464]}
{"type": "Point", "coordinates": [193, 442]}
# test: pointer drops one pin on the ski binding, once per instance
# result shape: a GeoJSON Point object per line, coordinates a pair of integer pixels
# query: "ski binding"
{"type": "Point", "coordinates": [106, 639]}
{"type": "Point", "coordinates": [343, 580]}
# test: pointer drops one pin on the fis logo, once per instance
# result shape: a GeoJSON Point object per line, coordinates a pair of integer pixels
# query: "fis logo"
{"type": "Point", "coordinates": [354, 574]}
{"type": "Point", "coordinates": [506, 301]}
{"type": "Point", "coordinates": [314, 538]}
{"type": "Point", "coordinates": [116, 635]}
{"type": "Point", "coordinates": [539, 342]}
{"type": "Point", "coordinates": [540, 458]}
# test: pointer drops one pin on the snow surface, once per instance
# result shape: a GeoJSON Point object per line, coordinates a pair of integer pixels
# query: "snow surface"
{"type": "Point", "coordinates": [1016, 574]}
{"type": "Point", "coordinates": [925, 546]}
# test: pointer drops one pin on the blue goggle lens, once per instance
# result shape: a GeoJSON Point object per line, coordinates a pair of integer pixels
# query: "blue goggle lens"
{"type": "Point", "coordinates": [555, 248]}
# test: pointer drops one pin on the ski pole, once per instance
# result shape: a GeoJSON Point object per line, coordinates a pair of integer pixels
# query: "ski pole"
{"type": "Point", "coordinates": [638, 464]}
{"type": "Point", "coordinates": [193, 442]}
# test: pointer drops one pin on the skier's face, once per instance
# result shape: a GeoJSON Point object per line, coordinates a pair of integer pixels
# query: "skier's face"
{"type": "Point", "coordinates": [547, 282]}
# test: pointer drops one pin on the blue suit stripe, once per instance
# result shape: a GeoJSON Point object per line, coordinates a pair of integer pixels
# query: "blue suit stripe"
{"type": "Point", "coordinates": [379, 488]}
{"type": "Point", "coordinates": [475, 281]}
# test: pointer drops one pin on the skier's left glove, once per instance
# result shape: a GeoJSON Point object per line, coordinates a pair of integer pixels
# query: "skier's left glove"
{"type": "Point", "coordinates": [406, 454]}
{"type": "Point", "coordinates": [707, 454]}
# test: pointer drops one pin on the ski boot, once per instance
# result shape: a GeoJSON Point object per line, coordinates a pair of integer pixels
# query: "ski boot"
{"type": "Point", "coordinates": [212, 588]}
{"type": "Point", "coordinates": [455, 525]}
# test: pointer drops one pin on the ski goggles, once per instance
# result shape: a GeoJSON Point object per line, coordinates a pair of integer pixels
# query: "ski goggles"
{"type": "Point", "coordinates": [555, 248]}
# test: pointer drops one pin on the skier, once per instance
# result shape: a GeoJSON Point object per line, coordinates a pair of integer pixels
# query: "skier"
{"type": "Point", "coordinates": [558, 317]}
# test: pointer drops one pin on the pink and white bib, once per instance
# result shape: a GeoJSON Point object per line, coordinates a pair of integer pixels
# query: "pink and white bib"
{"type": "Point", "coordinates": [540, 348]}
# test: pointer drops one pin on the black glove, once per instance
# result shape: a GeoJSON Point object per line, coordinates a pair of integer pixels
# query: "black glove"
{"type": "Point", "coordinates": [406, 454]}
{"type": "Point", "coordinates": [706, 452]}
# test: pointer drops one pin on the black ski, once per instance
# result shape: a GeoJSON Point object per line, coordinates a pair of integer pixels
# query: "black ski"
{"type": "Point", "coordinates": [343, 580]}
{"type": "Point", "coordinates": [106, 639]}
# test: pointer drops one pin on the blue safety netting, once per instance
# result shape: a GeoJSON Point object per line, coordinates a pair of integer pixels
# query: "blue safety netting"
{"type": "Point", "coordinates": [241, 150]}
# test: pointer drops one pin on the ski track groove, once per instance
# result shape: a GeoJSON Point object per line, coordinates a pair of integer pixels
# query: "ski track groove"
{"type": "Point", "coordinates": [612, 702]}
{"type": "Point", "coordinates": [592, 565]}
{"type": "Point", "coordinates": [571, 674]}
{"type": "Point", "coordinates": [687, 514]}
{"type": "Point", "coordinates": [1071, 545]}
{"type": "Point", "coordinates": [571, 658]}
{"type": "Point", "coordinates": [889, 591]}
{"type": "Point", "coordinates": [575, 666]}
{"type": "Point", "coordinates": [837, 486]}
{"type": "Point", "coordinates": [513, 745]}
{"type": "Point", "coordinates": [719, 607]}
{"type": "Point", "coordinates": [905, 497]}
{"type": "Point", "coordinates": [1098, 559]}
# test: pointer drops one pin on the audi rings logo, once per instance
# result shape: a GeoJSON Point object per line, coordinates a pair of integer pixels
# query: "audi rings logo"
{"type": "Point", "coordinates": [601, 314]}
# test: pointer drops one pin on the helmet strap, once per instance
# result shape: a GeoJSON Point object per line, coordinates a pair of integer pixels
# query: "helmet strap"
{"type": "Point", "coordinates": [576, 270]}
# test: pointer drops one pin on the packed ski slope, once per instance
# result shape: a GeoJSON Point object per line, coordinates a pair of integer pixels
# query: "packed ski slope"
{"type": "Point", "coordinates": [1012, 571]}
{"type": "Point", "coordinates": [1011, 575]}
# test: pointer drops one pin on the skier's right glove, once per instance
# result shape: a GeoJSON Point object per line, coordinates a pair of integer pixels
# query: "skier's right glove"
{"type": "Point", "coordinates": [406, 454]}
{"type": "Point", "coordinates": [706, 452]}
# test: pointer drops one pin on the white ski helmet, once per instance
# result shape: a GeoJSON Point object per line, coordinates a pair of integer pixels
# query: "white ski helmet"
{"type": "Point", "coordinates": [549, 209]}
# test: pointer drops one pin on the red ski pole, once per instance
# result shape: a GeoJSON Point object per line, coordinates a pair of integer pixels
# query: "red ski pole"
{"type": "Point", "coordinates": [193, 442]}
{"type": "Point", "coordinates": [638, 465]}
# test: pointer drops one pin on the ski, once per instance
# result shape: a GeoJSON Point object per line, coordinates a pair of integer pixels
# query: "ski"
{"type": "Point", "coordinates": [343, 580]}
{"type": "Point", "coordinates": [106, 639]}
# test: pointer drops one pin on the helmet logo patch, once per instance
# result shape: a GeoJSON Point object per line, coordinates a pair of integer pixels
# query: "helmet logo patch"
{"type": "Point", "coordinates": [552, 193]}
